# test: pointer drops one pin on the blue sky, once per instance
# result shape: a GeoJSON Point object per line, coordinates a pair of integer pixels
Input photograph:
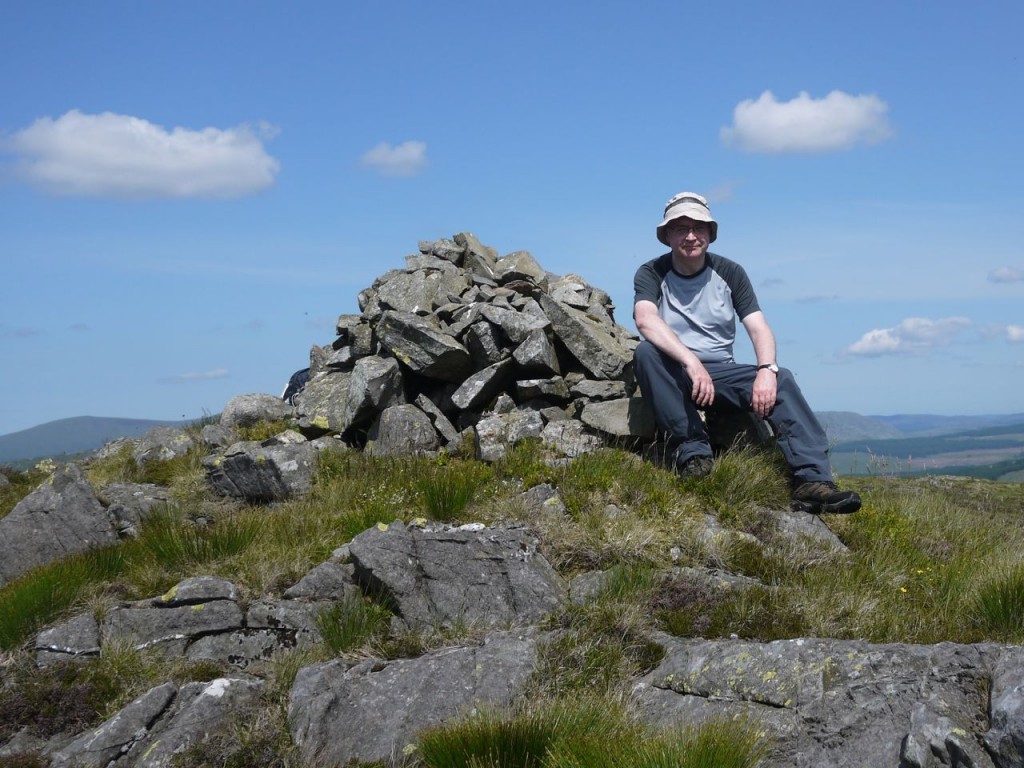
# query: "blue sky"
{"type": "Point", "coordinates": [191, 193]}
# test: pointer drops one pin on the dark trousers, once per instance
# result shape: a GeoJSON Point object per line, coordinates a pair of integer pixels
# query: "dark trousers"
{"type": "Point", "coordinates": [665, 385]}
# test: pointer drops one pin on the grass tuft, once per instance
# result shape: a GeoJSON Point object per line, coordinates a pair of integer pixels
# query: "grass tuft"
{"type": "Point", "coordinates": [352, 623]}
{"type": "Point", "coordinates": [584, 733]}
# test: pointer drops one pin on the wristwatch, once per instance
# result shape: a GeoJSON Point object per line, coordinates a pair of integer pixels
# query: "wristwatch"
{"type": "Point", "coordinates": [773, 367]}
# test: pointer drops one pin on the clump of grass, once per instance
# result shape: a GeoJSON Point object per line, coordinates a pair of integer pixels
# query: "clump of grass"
{"type": "Point", "coordinates": [41, 595]}
{"type": "Point", "coordinates": [263, 430]}
{"type": "Point", "coordinates": [745, 478]}
{"type": "Point", "coordinates": [600, 645]}
{"type": "Point", "coordinates": [584, 733]}
{"type": "Point", "coordinates": [999, 604]}
{"type": "Point", "coordinates": [352, 623]}
{"type": "Point", "coordinates": [448, 489]}
{"type": "Point", "coordinates": [177, 545]}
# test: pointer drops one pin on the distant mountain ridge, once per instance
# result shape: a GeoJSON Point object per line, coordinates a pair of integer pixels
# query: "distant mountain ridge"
{"type": "Point", "coordinates": [81, 434]}
{"type": "Point", "coordinates": [78, 434]}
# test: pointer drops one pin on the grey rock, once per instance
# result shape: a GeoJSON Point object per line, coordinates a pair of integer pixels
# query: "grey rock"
{"type": "Point", "coordinates": [59, 518]}
{"type": "Point", "coordinates": [263, 473]}
{"type": "Point", "coordinates": [324, 401]}
{"type": "Point", "coordinates": [115, 737]}
{"type": "Point", "coordinates": [241, 648]}
{"type": "Point", "coordinates": [570, 438]}
{"type": "Point", "coordinates": [402, 430]}
{"type": "Point", "coordinates": [542, 499]}
{"type": "Point", "coordinates": [481, 387]}
{"type": "Point", "coordinates": [600, 390]}
{"type": "Point", "coordinates": [478, 259]}
{"type": "Point", "coordinates": [75, 638]}
{"type": "Point", "coordinates": [625, 417]}
{"type": "Point", "coordinates": [443, 249]}
{"type": "Point", "coordinates": [199, 710]}
{"type": "Point", "coordinates": [196, 590]}
{"type": "Point", "coordinates": [410, 292]}
{"type": "Point", "coordinates": [373, 710]}
{"type": "Point", "coordinates": [935, 740]}
{"type": "Point", "coordinates": [424, 348]}
{"type": "Point", "coordinates": [490, 577]}
{"type": "Point", "coordinates": [728, 427]}
{"type": "Point", "coordinates": [129, 504]}
{"type": "Point", "coordinates": [1005, 739]}
{"type": "Point", "coordinates": [376, 384]}
{"type": "Point", "coordinates": [247, 410]}
{"type": "Point", "coordinates": [217, 436]}
{"type": "Point", "coordinates": [484, 344]}
{"type": "Point", "coordinates": [441, 423]}
{"type": "Point", "coordinates": [328, 581]}
{"type": "Point", "coordinates": [825, 702]}
{"type": "Point", "coordinates": [588, 341]}
{"type": "Point", "coordinates": [298, 619]}
{"type": "Point", "coordinates": [536, 353]}
{"type": "Point", "coordinates": [168, 629]}
{"type": "Point", "coordinates": [497, 433]}
{"type": "Point", "coordinates": [520, 265]}
{"type": "Point", "coordinates": [163, 444]}
{"type": "Point", "coordinates": [515, 325]}
{"type": "Point", "coordinates": [795, 526]}
{"type": "Point", "coordinates": [552, 390]}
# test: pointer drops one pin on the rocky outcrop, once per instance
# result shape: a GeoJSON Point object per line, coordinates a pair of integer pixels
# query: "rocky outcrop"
{"type": "Point", "coordinates": [342, 712]}
{"type": "Point", "coordinates": [61, 517]}
{"type": "Point", "coordinates": [848, 704]}
{"type": "Point", "coordinates": [473, 575]}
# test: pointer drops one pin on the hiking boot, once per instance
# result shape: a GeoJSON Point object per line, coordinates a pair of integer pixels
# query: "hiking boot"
{"type": "Point", "coordinates": [824, 498]}
{"type": "Point", "coordinates": [694, 467]}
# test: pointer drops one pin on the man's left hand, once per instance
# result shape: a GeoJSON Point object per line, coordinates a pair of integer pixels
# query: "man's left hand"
{"type": "Point", "coordinates": [763, 396]}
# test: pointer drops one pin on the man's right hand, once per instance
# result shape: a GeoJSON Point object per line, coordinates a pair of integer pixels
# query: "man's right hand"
{"type": "Point", "coordinates": [703, 393]}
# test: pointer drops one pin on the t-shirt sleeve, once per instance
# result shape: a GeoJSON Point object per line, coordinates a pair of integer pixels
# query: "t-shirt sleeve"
{"type": "Point", "coordinates": [744, 300]}
{"type": "Point", "coordinates": [647, 284]}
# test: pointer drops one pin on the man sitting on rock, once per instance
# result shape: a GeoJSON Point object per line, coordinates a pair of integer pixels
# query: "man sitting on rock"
{"type": "Point", "coordinates": [686, 305]}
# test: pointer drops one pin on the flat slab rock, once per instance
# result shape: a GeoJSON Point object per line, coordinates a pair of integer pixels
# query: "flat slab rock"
{"type": "Point", "coordinates": [849, 704]}
{"type": "Point", "coordinates": [476, 575]}
{"type": "Point", "coordinates": [373, 710]}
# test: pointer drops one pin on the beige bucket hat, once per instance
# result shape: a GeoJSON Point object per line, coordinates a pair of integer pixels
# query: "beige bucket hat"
{"type": "Point", "coordinates": [691, 205]}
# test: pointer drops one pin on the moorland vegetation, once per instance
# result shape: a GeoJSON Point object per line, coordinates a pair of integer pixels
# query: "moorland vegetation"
{"type": "Point", "coordinates": [927, 560]}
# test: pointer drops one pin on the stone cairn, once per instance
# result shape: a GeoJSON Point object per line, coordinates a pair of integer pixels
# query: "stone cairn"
{"type": "Point", "coordinates": [463, 345]}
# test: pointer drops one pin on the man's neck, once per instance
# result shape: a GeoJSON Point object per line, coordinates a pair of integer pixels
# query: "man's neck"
{"type": "Point", "coordinates": [688, 267]}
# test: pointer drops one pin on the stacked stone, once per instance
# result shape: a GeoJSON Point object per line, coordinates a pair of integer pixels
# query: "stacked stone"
{"type": "Point", "coordinates": [464, 345]}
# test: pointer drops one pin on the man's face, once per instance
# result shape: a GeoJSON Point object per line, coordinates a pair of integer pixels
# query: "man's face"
{"type": "Point", "coordinates": [688, 239]}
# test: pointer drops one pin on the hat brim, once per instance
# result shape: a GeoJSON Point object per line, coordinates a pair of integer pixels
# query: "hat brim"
{"type": "Point", "coordinates": [689, 211]}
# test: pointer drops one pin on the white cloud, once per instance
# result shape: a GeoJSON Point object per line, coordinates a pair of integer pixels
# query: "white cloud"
{"type": "Point", "coordinates": [120, 156]}
{"type": "Point", "coordinates": [838, 121]}
{"type": "Point", "coordinates": [1015, 333]}
{"type": "Point", "coordinates": [407, 159]}
{"type": "Point", "coordinates": [216, 373]}
{"type": "Point", "coordinates": [914, 335]}
{"type": "Point", "coordinates": [1006, 275]}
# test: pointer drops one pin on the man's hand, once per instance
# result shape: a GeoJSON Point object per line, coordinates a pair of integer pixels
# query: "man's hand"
{"type": "Point", "coordinates": [703, 393]}
{"type": "Point", "coordinates": [763, 397]}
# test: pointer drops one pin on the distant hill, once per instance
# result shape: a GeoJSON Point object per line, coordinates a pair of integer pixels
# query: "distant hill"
{"type": "Point", "coordinates": [79, 434]}
{"type": "Point", "coordinates": [925, 424]}
{"type": "Point", "coordinates": [843, 426]}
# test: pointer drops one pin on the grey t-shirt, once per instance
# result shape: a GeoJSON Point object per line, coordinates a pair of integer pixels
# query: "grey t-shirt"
{"type": "Point", "coordinates": [701, 308]}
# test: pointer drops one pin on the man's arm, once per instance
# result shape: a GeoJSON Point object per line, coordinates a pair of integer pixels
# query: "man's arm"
{"type": "Point", "coordinates": [657, 331]}
{"type": "Point", "coordinates": [763, 340]}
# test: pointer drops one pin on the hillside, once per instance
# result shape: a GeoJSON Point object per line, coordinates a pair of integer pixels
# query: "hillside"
{"type": "Point", "coordinates": [79, 434]}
